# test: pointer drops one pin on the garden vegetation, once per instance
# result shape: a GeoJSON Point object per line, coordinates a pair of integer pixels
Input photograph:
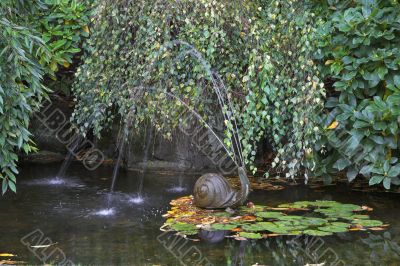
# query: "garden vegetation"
{"type": "Point", "coordinates": [319, 81]}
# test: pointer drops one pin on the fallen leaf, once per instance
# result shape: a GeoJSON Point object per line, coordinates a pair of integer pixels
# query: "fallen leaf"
{"type": "Point", "coordinates": [86, 29]}
{"type": "Point", "coordinates": [376, 228]}
{"type": "Point", "coordinates": [333, 125]}
{"type": "Point", "coordinates": [7, 255]}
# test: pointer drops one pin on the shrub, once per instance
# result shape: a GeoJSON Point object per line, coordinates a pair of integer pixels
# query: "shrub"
{"type": "Point", "coordinates": [359, 45]}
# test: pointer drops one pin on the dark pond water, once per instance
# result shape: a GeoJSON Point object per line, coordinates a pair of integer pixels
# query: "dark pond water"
{"type": "Point", "coordinates": [91, 227]}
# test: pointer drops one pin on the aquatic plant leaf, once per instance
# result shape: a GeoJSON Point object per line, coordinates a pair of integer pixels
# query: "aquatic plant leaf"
{"type": "Point", "coordinates": [183, 227]}
{"type": "Point", "coordinates": [319, 218]}
{"type": "Point", "coordinates": [250, 235]}
{"type": "Point", "coordinates": [333, 229]}
{"type": "Point", "coordinates": [291, 218]}
{"type": "Point", "coordinates": [269, 214]}
{"type": "Point", "coordinates": [317, 233]}
{"type": "Point", "coordinates": [340, 224]}
{"type": "Point", "coordinates": [223, 226]}
{"type": "Point", "coordinates": [314, 221]}
{"type": "Point", "coordinates": [359, 217]}
{"type": "Point", "coordinates": [368, 223]}
{"type": "Point", "coordinates": [325, 203]}
{"type": "Point", "coordinates": [254, 208]}
{"type": "Point", "coordinates": [222, 214]}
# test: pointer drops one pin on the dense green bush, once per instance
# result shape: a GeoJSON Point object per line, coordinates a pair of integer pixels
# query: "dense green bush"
{"type": "Point", "coordinates": [62, 24]}
{"type": "Point", "coordinates": [34, 39]}
{"type": "Point", "coordinates": [359, 45]}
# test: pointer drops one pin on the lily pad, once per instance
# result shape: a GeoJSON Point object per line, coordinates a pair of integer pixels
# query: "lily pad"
{"type": "Point", "coordinates": [334, 229]}
{"type": "Point", "coordinates": [184, 228]}
{"type": "Point", "coordinates": [291, 218]}
{"type": "Point", "coordinates": [221, 214]}
{"type": "Point", "coordinates": [317, 233]}
{"type": "Point", "coordinates": [318, 218]}
{"type": "Point", "coordinates": [314, 221]}
{"type": "Point", "coordinates": [368, 223]}
{"type": "Point", "coordinates": [269, 214]}
{"type": "Point", "coordinates": [223, 226]}
{"type": "Point", "coordinates": [250, 235]}
{"type": "Point", "coordinates": [359, 217]}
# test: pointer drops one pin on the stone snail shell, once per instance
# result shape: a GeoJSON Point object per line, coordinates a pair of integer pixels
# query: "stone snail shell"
{"type": "Point", "coordinates": [212, 191]}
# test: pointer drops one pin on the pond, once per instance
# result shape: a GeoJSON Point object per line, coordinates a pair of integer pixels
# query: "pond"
{"type": "Point", "coordinates": [77, 217]}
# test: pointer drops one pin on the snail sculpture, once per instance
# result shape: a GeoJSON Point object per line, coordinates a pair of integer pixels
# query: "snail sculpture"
{"type": "Point", "coordinates": [212, 191]}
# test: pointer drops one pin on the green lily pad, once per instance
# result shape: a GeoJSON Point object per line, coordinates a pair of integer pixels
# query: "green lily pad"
{"type": "Point", "coordinates": [321, 218]}
{"type": "Point", "coordinates": [348, 207]}
{"type": "Point", "coordinates": [325, 203]}
{"type": "Point", "coordinates": [250, 235]}
{"type": "Point", "coordinates": [266, 226]}
{"type": "Point", "coordinates": [317, 233]}
{"type": "Point", "coordinates": [314, 221]}
{"type": "Point", "coordinates": [359, 217]}
{"type": "Point", "coordinates": [184, 228]}
{"type": "Point", "coordinates": [221, 214]}
{"type": "Point", "coordinates": [255, 208]}
{"type": "Point", "coordinates": [340, 224]}
{"type": "Point", "coordinates": [223, 226]}
{"type": "Point", "coordinates": [333, 229]}
{"type": "Point", "coordinates": [270, 214]}
{"type": "Point", "coordinates": [296, 205]}
{"type": "Point", "coordinates": [291, 218]}
{"type": "Point", "coordinates": [295, 233]}
{"type": "Point", "coordinates": [368, 223]}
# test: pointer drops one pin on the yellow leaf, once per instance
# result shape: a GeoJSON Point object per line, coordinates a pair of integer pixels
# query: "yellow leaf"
{"type": "Point", "coordinates": [67, 22]}
{"type": "Point", "coordinates": [66, 64]}
{"type": "Point", "coordinates": [333, 125]}
{"type": "Point", "coordinates": [329, 62]}
{"type": "Point", "coordinates": [7, 255]}
{"type": "Point", "coordinates": [86, 29]}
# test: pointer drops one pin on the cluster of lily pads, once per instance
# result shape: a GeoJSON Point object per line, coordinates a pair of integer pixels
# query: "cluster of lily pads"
{"type": "Point", "coordinates": [315, 218]}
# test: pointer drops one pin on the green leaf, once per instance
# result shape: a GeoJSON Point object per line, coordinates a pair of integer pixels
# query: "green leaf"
{"type": "Point", "coordinates": [351, 174]}
{"type": "Point", "coordinates": [386, 182]}
{"type": "Point", "coordinates": [11, 185]}
{"type": "Point", "coordinates": [4, 185]}
{"type": "Point", "coordinates": [394, 171]}
{"type": "Point", "coordinates": [317, 233]}
{"type": "Point", "coordinates": [250, 235]}
{"type": "Point", "coordinates": [376, 180]}
{"type": "Point", "coordinates": [341, 164]}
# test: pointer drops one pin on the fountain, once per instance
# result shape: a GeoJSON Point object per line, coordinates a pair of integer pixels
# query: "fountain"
{"type": "Point", "coordinates": [212, 190]}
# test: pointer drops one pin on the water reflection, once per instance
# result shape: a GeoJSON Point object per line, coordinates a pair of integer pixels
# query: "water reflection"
{"type": "Point", "coordinates": [92, 226]}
